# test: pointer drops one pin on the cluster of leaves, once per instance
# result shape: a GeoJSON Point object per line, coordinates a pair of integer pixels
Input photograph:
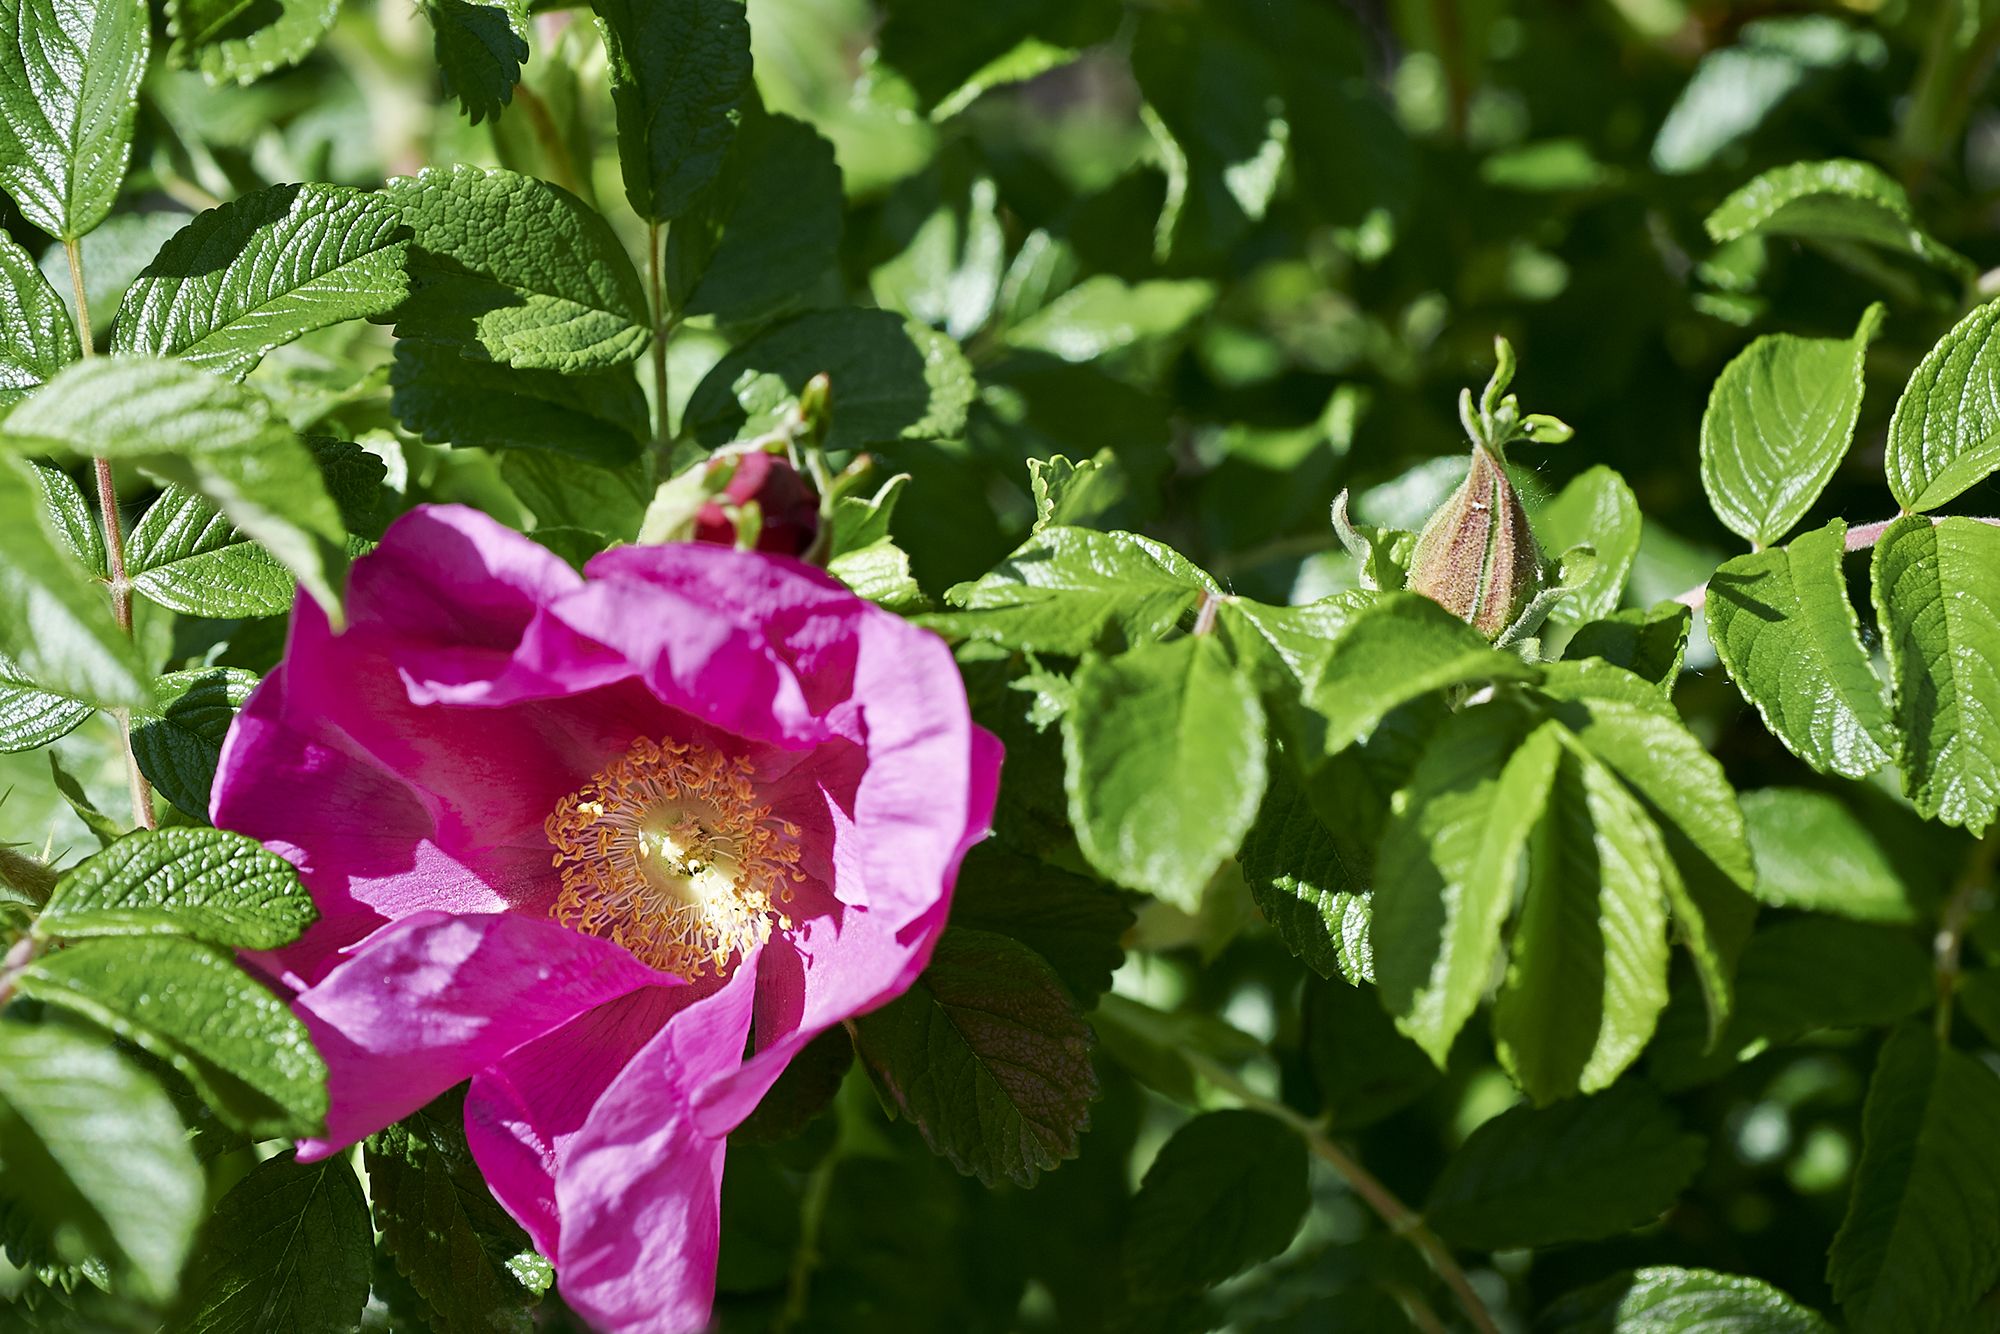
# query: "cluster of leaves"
{"type": "Point", "coordinates": [1305, 898]}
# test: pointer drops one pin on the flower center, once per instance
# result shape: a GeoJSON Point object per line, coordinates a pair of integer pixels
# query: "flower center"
{"type": "Point", "coordinates": [667, 851]}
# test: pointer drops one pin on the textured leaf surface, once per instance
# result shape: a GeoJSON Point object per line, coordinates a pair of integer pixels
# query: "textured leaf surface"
{"type": "Point", "coordinates": [185, 555]}
{"type": "Point", "coordinates": [1781, 623]}
{"type": "Point", "coordinates": [178, 741]}
{"type": "Point", "coordinates": [892, 380]}
{"type": "Point", "coordinates": [207, 883]}
{"type": "Point", "coordinates": [1228, 1190]}
{"type": "Point", "coordinates": [221, 439]}
{"type": "Point", "coordinates": [289, 1248]}
{"type": "Point", "coordinates": [448, 1235]}
{"type": "Point", "coordinates": [1665, 1300]}
{"type": "Point", "coordinates": [54, 626]}
{"type": "Point", "coordinates": [1165, 764]}
{"type": "Point", "coordinates": [450, 399]}
{"type": "Point", "coordinates": [1599, 509]}
{"type": "Point", "coordinates": [987, 1054]}
{"type": "Point", "coordinates": [264, 270]}
{"type": "Point", "coordinates": [1919, 1247]}
{"type": "Point", "coordinates": [1310, 877]}
{"type": "Point", "coordinates": [1649, 642]}
{"type": "Point", "coordinates": [30, 717]}
{"type": "Point", "coordinates": [37, 337]}
{"type": "Point", "coordinates": [1587, 978]}
{"type": "Point", "coordinates": [1070, 590]}
{"type": "Point", "coordinates": [1074, 923]}
{"type": "Point", "coordinates": [679, 73]}
{"type": "Point", "coordinates": [480, 47]}
{"type": "Point", "coordinates": [1839, 200]}
{"type": "Point", "coordinates": [1448, 867]}
{"type": "Point", "coordinates": [69, 89]}
{"type": "Point", "coordinates": [1937, 596]}
{"type": "Point", "coordinates": [188, 1003]}
{"type": "Point", "coordinates": [1945, 434]}
{"type": "Point", "coordinates": [1779, 421]}
{"type": "Point", "coordinates": [1582, 1169]}
{"type": "Point", "coordinates": [507, 268]}
{"type": "Point", "coordinates": [232, 41]}
{"type": "Point", "coordinates": [1812, 853]}
{"type": "Point", "coordinates": [95, 1149]}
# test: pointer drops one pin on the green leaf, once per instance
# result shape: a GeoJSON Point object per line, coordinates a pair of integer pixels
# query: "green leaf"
{"type": "Point", "coordinates": [1074, 493]}
{"type": "Point", "coordinates": [1071, 590]}
{"type": "Point", "coordinates": [74, 518]}
{"type": "Point", "coordinates": [1228, 1190]}
{"type": "Point", "coordinates": [184, 555]}
{"type": "Point", "coordinates": [1074, 923]}
{"type": "Point", "coordinates": [454, 400]}
{"type": "Point", "coordinates": [611, 501]}
{"type": "Point", "coordinates": [289, 1248]}
{"type": "Point", "coordinates": [480, 47]}
{"type": "Point", "coordinates": [1664, 1300]}
{"type": "Point", "coordinates": [1649, 642]}
{"type": "Point", "coordinates": [31, 718]}
{"type": "Point", "coordinates": [761, 240]}
{"type": "Point", "coordinates": [1813, 854]}
{"type": "Point", "coordinates": [1779, 421]}
{"type": "Point", "coordinates": [69, 89]}
{"type": "Point", "coordinates": [1937, 597]}
{"type": "Point", "coordinates": [1838, 200]}
{"type": "Point", "coordinates": [199, 430]}
{"type": "Point", "coordinates": [1587, 977]}
{"type": "Point", "coordinates": [447, 1234]}
{"type": "Point", "coordinates": [207, 883]}
{"type": "Point", "coordinates": [1103, 317]}
{"type": "Point", "coordinates": [1919, 1248]}
{"type": "Point", "coordinates": [178, 743]}
{"type": "Point", "coordinates": [37, 337]}
{"type": "Point", "coordinates": [1310, 870]}
{"type": "Point", "coordinates": [1582, 1169]}
{"type": "Point", "coordinates": [949, 269]}
{"type": "Point", "coordinates": [1450, 859]}
{"type": "Point", "coordinates": [987, 1054]}
{"type": "Point", "coordinates": [1030, 59]}
{"type": "Point", "coordinates": [1398, 649]}
{"type": "Point", "coordinates": [1165, 764]}
{"type": "Point", "coordinates": [1596, 508]}
{"type": "Point", "coordinates": [233, 41]}
{"type": "Point", "coordinates": [1945, 435]}
{"type": "Point", "coordinates": [880, 573]}
{"type": "Point", "coordinates": [1365, 1070]}
{"type": "Point", "coordinates": [507, 268]}
{"type": "Point", "coordinates": [1783, 627]}
{"type": "Point", "coordinates": [893, 379]}
{"type": "Point", "coordinates": [262, 271]}
{"type": "Point", "coordinates": [188, 1003]}
{"type": "Point", "coordinates": [97, 1154]}
{"type": "Point", "coordinates": [54, 626]}
{"type": "Point", "coordinates": [680, 70]}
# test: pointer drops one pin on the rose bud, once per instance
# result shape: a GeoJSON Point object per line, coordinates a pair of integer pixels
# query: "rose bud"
{"type": "Point", "coordinates": [1477, 557]}
{"type": "Point", "coordinates": [786, 507]}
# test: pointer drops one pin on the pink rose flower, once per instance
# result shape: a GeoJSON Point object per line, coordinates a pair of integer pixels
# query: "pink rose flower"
{"type": "Point", "coordinates": [580, 839]}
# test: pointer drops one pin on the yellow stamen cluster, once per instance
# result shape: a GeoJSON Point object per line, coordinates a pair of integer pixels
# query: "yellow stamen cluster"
{"type": "Point", "coordinates": [667, 851]}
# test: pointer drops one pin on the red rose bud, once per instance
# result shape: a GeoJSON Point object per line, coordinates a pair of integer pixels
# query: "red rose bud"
{"type": "Point", "coordinates": [1476, 557]}
{"type": "Point", "coordinates": [786, 506]}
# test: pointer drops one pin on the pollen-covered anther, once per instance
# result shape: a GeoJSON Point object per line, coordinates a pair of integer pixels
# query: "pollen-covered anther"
{"type": "Point", "coordinates": [668, 852]}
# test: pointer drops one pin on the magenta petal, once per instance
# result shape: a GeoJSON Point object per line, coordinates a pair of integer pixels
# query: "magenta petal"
{"type": "Point", "coordinates": [640, 1189]}
{"type": "Point", "coordinates": [433, 999]}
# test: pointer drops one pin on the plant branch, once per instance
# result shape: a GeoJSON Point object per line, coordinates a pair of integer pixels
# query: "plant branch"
{"type": "Point", "coordinates": [819, 1184]}
{"type": "Point", "coordinates": [656, 238]}
{"type": "Point", "coordinates": [1859, 538]}
{"type": "Point", "coordinates": [1398, 1217]}
{"type": "Point", "coordinates": [1959, 910]}
{"type": "Point", "coordinates": [114, 551]}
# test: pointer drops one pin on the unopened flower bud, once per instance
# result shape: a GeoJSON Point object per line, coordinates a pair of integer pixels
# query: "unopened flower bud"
{"type": "Point", "coordinates": [1476, 557]}
{"type": "Point", "coordinates": [787, 508]}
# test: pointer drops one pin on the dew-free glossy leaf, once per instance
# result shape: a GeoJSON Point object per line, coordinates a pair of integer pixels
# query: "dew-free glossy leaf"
{"type": "Point", "coordinates": [1069, 590]}
{"type": "Point", "coordinates": [1945, 434]}
{"type": "Point", "coordinates": [31, 718]}
{"type": "Point", "coordinates": [480, 46]}
{"type": "Point", "coordinates": [1104, 316]}
{"type": "Point", "coordinates": [1838, 200]}
{"type": "Point", "coordinates": [1812, 853]}
{"type": "Point", "coordinates": [37, 336]}
{"type": "Point", "coordinates": [1779, 421]}
{"type": "Point", "coordinates": [97, 1154]}
{"type": "Point", "coordinates": [510, 269]}
{"type": "Point", "coordinates": [679, 73]}
{"type": "Point", "coordinates": [1599, 509]}
{"type": "Point", "coordinates": [290, 1247]}
{"type": "Point", "coordinates": [178, 742]}
{"type": "Point", "coordinates": [1649, 642]}
{"type": "Point", "coordinates": [69, 89]}
{"type": "Point", "coordinates": [1937, 597]}
{"type": "Point", "coordinates": [185, 555]}
{"type": "Point", "coordinates": [233, 41]}
{"type": "Point", "coordinates": [450, 399]}
{"type": "Point", "coordinates": [263, 270]}
{"type": "Point", "coordinates": [206, 883]}
{"type": "Point", "coordinates": [1310, 874]}
{"type": "Point", "coordinates": [1783, 627]}
{"type": "Point", "coordinates": [1229, 1189]}
{"type": "Point", "coordinates": [1165, 764]}
{"type": "Point", "coordinates": [1664, 1300]}
{"type": "Point", "coordinates": [188, 1003]}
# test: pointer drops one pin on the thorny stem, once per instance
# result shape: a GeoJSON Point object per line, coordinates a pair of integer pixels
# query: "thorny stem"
{"type": "Point", "coordinates": [1959, 910]}
{"type": "Point", "coordinates": [1204, 617]}
{"type": "Point", "coordinates": [114, 551]}
{"type": "Point", "coordinates": [656, 236]}
{"type": "Point", "coordinates": [18, 957]}
{"type": "Point", "coordinates": [1858, 539]}
{"type": "Point", "coordinates": [1398, 1217]}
